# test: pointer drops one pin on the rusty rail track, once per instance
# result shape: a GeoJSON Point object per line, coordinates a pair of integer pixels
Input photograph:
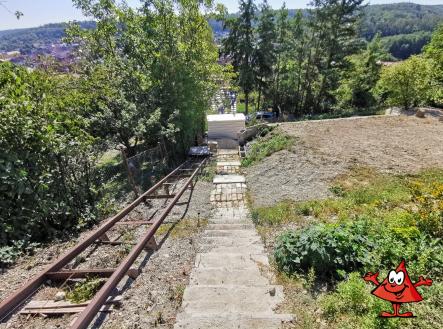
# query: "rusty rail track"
{"type": "Point", "coordinates": [56, 269]}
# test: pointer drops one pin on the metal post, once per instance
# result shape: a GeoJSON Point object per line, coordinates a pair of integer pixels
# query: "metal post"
{"type": "Point", "coordinates": [122, 149]}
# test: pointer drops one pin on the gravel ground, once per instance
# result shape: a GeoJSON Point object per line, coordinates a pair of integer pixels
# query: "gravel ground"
{"type": "Point", "coordinates": [325, 149]}
{"type": "Point", "coordinates": [150, 301]}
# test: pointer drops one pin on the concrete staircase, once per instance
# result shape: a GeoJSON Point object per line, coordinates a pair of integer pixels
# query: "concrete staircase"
{"type": "Point", "coordinates": [227, 288]}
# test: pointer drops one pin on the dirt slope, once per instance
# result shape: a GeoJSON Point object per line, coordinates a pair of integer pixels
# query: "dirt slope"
{"type": "Point", "coordinates": [325, 149]}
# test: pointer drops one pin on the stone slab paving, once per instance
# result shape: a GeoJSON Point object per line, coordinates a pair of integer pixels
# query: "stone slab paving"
{"type": "Point", "coordinates": [229, 179]}
{"type": "Point", "coordinates": [228, 155]}
{"type": "Point", "coordinates": [228, 288]}
{"type": "Point", "coordinates": [228, 167]}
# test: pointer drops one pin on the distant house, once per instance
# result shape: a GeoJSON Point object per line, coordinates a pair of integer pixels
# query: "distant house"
{"type": "Point", "coordinates": [386, 63]}
{"type": "Point", "coordinates": [6, 57]}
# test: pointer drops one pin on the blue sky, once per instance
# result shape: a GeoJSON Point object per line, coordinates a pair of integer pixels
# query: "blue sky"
{"type": "Point", "coordinates": [38, 12]}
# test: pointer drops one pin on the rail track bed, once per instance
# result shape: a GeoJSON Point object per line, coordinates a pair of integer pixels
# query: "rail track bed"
{"type": "Point", "coordinates": [107, 254]}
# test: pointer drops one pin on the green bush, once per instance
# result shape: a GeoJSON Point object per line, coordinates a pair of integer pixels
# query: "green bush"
{"type": "Point", "coordinates": [407, 84]}
{"type": "Point", "coordinates": [361, 245]}
{"type": "Point", "coordinates": [328, 249]}
{"type": "Point", "coordinates": [45, 183]}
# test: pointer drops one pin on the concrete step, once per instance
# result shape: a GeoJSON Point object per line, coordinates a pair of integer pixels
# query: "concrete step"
{"type": "Point", "coordinates": [229, 163]}
{"type": "Point", "coordinates": [253, 321]}
{"type": "Point", "coordinates": [232, 233]}
{"type": "Point", "coordinates": [228, 151]}
{"type": "Point", "coordinates": [235, 213]}
{"type": "Point", "coordinates": [229, 221]}
{"type": "Point", "coordinates": [211, 276]}
{"type": "Point", "coordinates": [228, 179]}
{"type": "Point", "coordinates": [229, 211]}
{"type": "Point", "coordinates": [231, 299]}
{"type": "Point", "coordinates": [222, 241]}
{"type": "Point", "coordinates": [234, 226]}
{"type": "Point", "coordinates": [233, 261]}
{"type": "Point", "coordinates": [248, 249]}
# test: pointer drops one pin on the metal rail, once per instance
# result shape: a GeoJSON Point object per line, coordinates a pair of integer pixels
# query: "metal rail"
{"type": "Point", "coordinates": [8, 305]}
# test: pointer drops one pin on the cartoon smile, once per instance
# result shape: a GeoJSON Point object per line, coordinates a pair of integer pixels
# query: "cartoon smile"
{"type": "Point", "coordinates": [398, 293]}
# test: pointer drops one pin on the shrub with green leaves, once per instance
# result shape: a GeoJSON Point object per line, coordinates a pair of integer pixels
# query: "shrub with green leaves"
{"type": "Point", "coordinates": [45, 184]}
{"type": "Point", "coordinates": [407, 84]}
{"type": "Point", "coordinates": [328, 249]}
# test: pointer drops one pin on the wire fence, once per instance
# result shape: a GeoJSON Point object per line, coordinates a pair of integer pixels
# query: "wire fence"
{"type": "Point", "coordinates": [139, 173]}
{"type": "Point", "coordinates": [146, 166]}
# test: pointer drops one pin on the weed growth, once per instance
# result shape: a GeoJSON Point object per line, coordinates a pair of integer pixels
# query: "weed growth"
{"type": "Point", "coordinates": [85, 290]}
{"type": "Point", "coordinates": [265, 146]}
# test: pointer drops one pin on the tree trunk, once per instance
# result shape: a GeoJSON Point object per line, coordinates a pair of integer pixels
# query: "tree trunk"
{"type": "Point", "coordinates": [257, 108]}
{"type": "Point", "coordinates": [246, 102]}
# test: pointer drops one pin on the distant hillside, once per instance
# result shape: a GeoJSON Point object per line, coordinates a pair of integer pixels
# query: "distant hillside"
{"type": "Point", "coordinates": [28, 40]}
{"type": "Point", "coordinates": [406, 26]}
{"type": "Point", "coordinates": [388, 19]}
{"type": "Point", "coordinates": [400, 18]}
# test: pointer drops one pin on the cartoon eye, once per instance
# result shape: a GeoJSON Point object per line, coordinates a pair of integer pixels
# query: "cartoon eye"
{"type": "Point", "coordinates": [392, 276]}
{"type": "Point", "coordinates": [399, 277]}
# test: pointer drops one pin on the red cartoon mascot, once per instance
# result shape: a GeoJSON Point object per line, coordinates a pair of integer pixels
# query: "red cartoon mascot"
{"type": "Point", "coordinates": [397, 288]}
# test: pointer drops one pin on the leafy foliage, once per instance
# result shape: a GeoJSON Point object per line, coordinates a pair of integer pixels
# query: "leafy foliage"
{"type": "Point", "coordinates": [403, 46]}
{"type": "Point", "coordinates": [302, 66]}
{"type": "Point", "coordinates": [328, 249]}
{"type": "Point", "coordinates": [356, 85]}
{"type": "Point", "coordinates": [416, 81]}
{"type": "Point", "coordinates": [407, 84]}
{"type": "Point", "coordinates": [45, 165]}
{"type": "Point", "coordinates": [434, 52]}
{"type": "Point", "coordinates": [153, 78]}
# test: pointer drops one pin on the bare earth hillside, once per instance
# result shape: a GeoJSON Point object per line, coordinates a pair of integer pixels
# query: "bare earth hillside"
{"type": "Point", "coordinates": [327, 148]}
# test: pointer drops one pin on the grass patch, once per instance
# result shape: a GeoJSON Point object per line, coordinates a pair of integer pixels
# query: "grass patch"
{"type": "Point", "coordinates": [111, 157]}
{"type": "Point", "coordinates": [282, 213]}
{"type": "Point", "coordinates": [265, 146]}
{"type": "Point", "coordinates": [186, 227]}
